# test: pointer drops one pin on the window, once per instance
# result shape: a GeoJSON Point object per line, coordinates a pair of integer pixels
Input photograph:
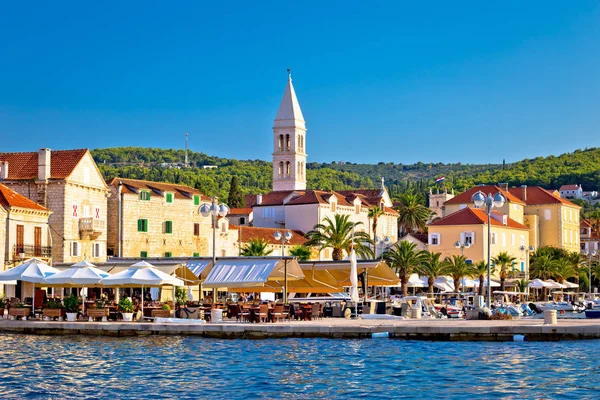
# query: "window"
{"type": "Point", "coordinates": [143, 254]}
{"type": "Point", "coordinates": [75, 249]}
{"type": "Point", "coordinates": [97, 251]}
{"type": "Point", "coordinates": [144, 195]}
{"type": "Point", "coordinates": [288, 168]}
{"type": "Point", "coordinates": [223, 253]}
{"type": "Point", "coordinates": [357, 208]}
{"type": "Point", "coordinates": [242, 220]}
{"type": "Point", "coordinates": [522, 266]}
{"type": "Point", "coordinates": [434, 239]}
{"type": "Point", "coordinates": [565, 235]}
{"type": "Point", "coordinates": [522, 240]}
{"type": "Point", "coordinates": [168, 226]}
{"type": "Point", "coordinates": [168, 197]}
{"type": "Point", "coordinates": [288, 144]}
{"type": "Point", "coordinates": [571, 236]}
{"type": "Point", "coordinates": [280, 168]}
{"type": "Point", "coordinates": [196, 229]}
{"type": "Point", "coordinates": [512, 239]}
{"type": "Point", "coordinates": [333, 206]}
{"type": "Point", "coordinates": [493, 237]}
{"type": "Point", "coordinates": [196, 255]}
{"type": "Point", "coordinates": [142, 225]}
{"type": "Point", "coordinates": [280, 142]}
{"type": "Point", "coordinates": [224, 226]}
{"type": "Point", "coordinates": [86, 175]}
{"type": "Point", "coordinates": [196, 200]}
{"type": "Point", "coordinates": [547, 215]}
{"type": "Point", "coordinates": [168, 254]}
{"type": "Point", "coordinates": [503, 239]}
{"type": "Point", "coordinates": [467, 238]}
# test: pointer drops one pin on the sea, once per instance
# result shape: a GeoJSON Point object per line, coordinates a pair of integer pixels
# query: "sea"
{"type": "Point", "coordinates": [182, 367]}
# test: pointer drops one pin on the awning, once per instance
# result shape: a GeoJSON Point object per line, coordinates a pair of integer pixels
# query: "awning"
{"type": "Point", "coordinates": [251, 272]}
{"type": "Point", "coordinates": [379, 273]}
{"type": "Point", "coordinates": [199, 267]}
{"type": "Point", "coordinates": [180, 270]}
{"type": "Point", "coordinates": [314, 281]}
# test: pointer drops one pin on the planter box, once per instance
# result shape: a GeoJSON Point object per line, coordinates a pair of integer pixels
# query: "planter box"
{"type": "Point", "coordinates": [97, 312]}
{"type": "Point", "coordinates": [161, 313]}
{"type": "Point", "coordinates": [19, 312]}
{"type": "Point", "coordinates": [53, 312]}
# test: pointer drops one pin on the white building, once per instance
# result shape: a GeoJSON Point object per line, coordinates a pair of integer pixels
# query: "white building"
{"type": "Point", "coordinates": [571, 191]}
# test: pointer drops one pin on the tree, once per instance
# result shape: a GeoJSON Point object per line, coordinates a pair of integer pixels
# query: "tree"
{"type": "Point", "coordinates": [412, 215]}
{"type": "Point", "coordinates": [256, 248]}
{"type": "Point", "coordinates": [458, 268]}
{"type": "Point", "coordinates": [479, 271]}
{"type": "Point", "coordinates": [432, 267]}
{"type": "Point", "coordinates": [236, 198]}
{"type": "Point", "coordinates": [404, 259]}
{"type": "Point", "coordinates": [374, 213]}
{"type": "Point", "coordinates": [302, 253]}
{"type": "Point", "coordinates": [563, 270]}
{"type": "Point", "coordinates": [503, 260]}
{"type": "Point", "coordinates": [542, 266]}
{"type": "Point", "coordinates": [337, 234]}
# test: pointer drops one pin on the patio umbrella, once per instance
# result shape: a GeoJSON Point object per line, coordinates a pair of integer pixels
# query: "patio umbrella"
{"type": "Point", "coordinates": [538, 284]}
{"type": "Point", "coordinates": [555, 285]}
{"type": "Point", "coordinates": [354, 281]}
{"type": "Point", "coordinates": [142, 274]}
{"type": "Point", "coordinates": [485, 283]}
{"type": "Point", "coordinates": [415, 282]}
{"type": "Point", "coordinates": [33, 270]}
{"type": "Point", "coordinates": [570, 285]}
{"type": "Point", "coordinates": [81, 274]}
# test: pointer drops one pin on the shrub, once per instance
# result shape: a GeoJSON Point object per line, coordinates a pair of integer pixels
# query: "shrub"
{"type": "Point", "coordinates": [72, 303]}
{"type": "Point", "coordinates": [125, 305]}
{"type": "Point", "coordinates": [54, 304]}
{"type": "Point", "coordinates": [166, 307]}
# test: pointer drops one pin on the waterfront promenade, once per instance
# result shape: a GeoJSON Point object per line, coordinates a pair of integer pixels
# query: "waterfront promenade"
{"type": "Point", "coordinates": [423, 329]}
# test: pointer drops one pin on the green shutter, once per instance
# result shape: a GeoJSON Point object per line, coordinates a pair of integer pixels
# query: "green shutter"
{"type": "Point", "coordinates": [169, 197]}
{"type": "Point", "coordinates": [168, 226]}
{"type": "Point", "coordinates": [142, 225]}
{"type": "Point", "coordinates": [140, 228]}
{"type": "Point", "coordinates": [196, 255]}
{"type": "Point", "coordinates": [143, 254]}
{"type": "Point", "coordinates": [168, 254]}
{"type": "Point", "coordinates": [196, 200]}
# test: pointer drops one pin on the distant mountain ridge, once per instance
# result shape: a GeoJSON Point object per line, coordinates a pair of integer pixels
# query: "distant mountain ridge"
{"type": "Point", "coordinates": [580, 166]}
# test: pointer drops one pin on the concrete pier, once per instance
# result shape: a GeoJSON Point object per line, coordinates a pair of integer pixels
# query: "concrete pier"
{"type": "Point", "coordinates": [442, 330]}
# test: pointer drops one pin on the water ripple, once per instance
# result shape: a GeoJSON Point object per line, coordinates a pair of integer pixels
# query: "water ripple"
{"type": "Point", "coordinates": [51, 367]}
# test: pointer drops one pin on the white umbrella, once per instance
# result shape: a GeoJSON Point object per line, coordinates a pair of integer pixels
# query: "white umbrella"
{"type": "Point", "coordinates": [415, 282]}
{"type": "Point", "coordinates": [468, 283]}
{"type": "Point", "coordinates": [570, 285]}
{"type": "Point", "coordinates": [33, 271]}
{"type": "Point", "coordinates": [485, 283]}
{"type": "Point", "coordinates": [554, 285]}
{"type": "Point", "coordinates": [141, 274]}
{"type": "Point", "coordinates": [444, 283]}
{"type": "Point", "coordinates": [354, 281]}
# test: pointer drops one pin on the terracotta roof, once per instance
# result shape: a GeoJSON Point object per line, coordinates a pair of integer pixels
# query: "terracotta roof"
{"type": "Point", "coordinates": [10, 198]}
{"type": "Point", "coordinates": [467, 196]}
{"type": "Point", "coordinates": [269, 199]}
{"type": "Point", "coordinates": [474, 216]}
{"type": "Point", "coordinates": [584, 223]}
{"type": "Point", "coordinates": [310, 197]}
{"type": "Point", "coordinates": [22, 166]}
{"type": "Point", "coordinates": [250, 232]}
{"type": "Point", "coordinates": [569, 187]}
{"type": "Point", "coordinates": [240, 211]}
{"type": "Point", "coordinates": [421, 237]}
{"type": "Point", "coordinates": [390, 210]}
{"type": "Point", "coordinates": [537, 195]}
{"type": "Point", "coordinates": [370, 195]}
{"type": "Point", "coordinates": [180, 191]}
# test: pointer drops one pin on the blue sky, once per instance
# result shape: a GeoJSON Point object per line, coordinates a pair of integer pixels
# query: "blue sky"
{"type": "Point", "coordinates": [377, 81]}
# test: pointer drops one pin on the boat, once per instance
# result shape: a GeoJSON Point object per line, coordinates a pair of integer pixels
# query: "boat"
{"type": "Point", "coordinates": [592, 314]}
{"type": "Point", "coordinates": [562, 306]}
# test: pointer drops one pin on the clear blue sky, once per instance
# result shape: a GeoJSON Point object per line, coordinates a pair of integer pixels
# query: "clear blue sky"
{"type": "Point", "coordinates": [377, 81]}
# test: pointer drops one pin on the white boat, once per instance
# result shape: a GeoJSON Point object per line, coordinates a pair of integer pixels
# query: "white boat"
{"type": "Point", "coordinates": [562, 306]}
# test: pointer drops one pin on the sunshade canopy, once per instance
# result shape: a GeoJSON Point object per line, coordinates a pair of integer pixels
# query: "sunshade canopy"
{"type": "Point", "coordinates": [33, 270]}
{"type": "Point", "coordinates": [177, 268]}
{"type": "Point", "coordinates": [570, 285]}
{"type": "Point", "coordinates": [82, 273]}
{"type": "Point", "coordinates": [538, 284]}
{"type": "Point", "coordinates": [555, 285]}
{"type": "Point", "coordinates": [200, 268]}
{"type": "Point", "coordinates": [141, 274]}
{"type": "Point", "coordinates": [415, 282]}
{"type": "Point", "coordinates": [378, 272]}
{"type": "Point", "coordinates": [251, 272]}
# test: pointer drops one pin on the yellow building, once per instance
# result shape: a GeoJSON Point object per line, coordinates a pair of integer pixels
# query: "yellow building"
{"type": "Point", "coordinates": [468, 225]}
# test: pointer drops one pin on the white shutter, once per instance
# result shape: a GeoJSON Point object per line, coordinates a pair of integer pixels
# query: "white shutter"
{"type": "Point", "coordinates": [472, 238]}
{"type": "Point", "coordinates": [462, 237]}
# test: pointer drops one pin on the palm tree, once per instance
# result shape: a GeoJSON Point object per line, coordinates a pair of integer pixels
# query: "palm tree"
{"type": "Point", "coordinates": [404, 258]}
{"type": "Point", "coordinates": [578, 261]}
{"type": "Point", "coordinates": [337, 234]}
{"type": "Point", "coordinates": [542, 267]}
{"type": "Point", "coordinates": [412, 215]}
{"type": "Point", "coordinates": [431, 267]}
{"type": "Point", "coordinates": [374, 213]}
{"type": "Point", "coordinates": [479, 271]}
{"type": "Point", "coordinates": [522, 285]}
{"type": "Point", "coordinates": [564, 270]}
{"type": "Point", "coordinates": [458, 268]}
{"type": "Point", "coordinates": [302, 253]}
{"type": "Point", "coordinates": [256, 247]}
{"type": "Point", "coordinates": [503, 260]}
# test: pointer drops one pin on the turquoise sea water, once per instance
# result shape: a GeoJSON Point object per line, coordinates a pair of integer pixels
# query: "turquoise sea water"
{"type": "Point", "coordinates": [194, 367]}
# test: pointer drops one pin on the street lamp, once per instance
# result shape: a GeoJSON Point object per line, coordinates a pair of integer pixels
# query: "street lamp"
{"type": "Point", "coordinates": [527, 250]}
{"type": "Point", "coordinates": [384, 242]}
{"type": "Point", "coordinates": [590, 253]}
{"type": "Point", "coordinates": [480, 200]}
{"type": "Point", "coordinates": [462, 246]}
{"type": "Point", "coordinates": [214, 210]}
{"type": "Point", "coordinates": [286, 237]}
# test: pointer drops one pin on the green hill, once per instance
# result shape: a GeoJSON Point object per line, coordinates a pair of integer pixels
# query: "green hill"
{"type": "Point", "coordinates": [581, 166]}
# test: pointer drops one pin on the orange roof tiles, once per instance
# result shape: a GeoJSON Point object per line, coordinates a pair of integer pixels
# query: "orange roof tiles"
{"type": "Point", "coordinates": [584, 223]}
{"type": "Point", "coordinates": [270, 199]}
{"type": "Point", "coordinates": [180, 191]}
{"type": "Point", "coordinates": [248, 233]}
{"type": "Point", "coordinates": [534, 195]}
{"type": "Point", "coordinates": [467, 196]}
{"type": "Point", "coordinates": [22, 166]}
{"type": "Point", "coordinates": [569, 187]}
{"type": "Point", "coordinates": [240, 211]}
{"type": "Point", "coordinates": [10, 198]}
{"type": "Point", "coordinates": [475, 216]}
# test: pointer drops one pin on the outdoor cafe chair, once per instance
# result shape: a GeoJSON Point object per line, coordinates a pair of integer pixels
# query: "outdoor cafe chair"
{"type": "Point", "coordinates": [278, 312]}
{"type": "Point", "coordinates": [316, 312]}
{"type": "Point", "coordinates": [244, 313]}
{"type": "Point", "coordinates": [263, 313]}
{"type": "Point", "coordinates": [286, 312]}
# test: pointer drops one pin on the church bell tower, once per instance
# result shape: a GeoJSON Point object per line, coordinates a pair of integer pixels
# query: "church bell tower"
{"type": "Point", "coordinates": [289, 151]}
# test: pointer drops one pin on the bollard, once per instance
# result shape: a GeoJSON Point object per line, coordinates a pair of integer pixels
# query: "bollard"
{"type": "Point", "coordinates": [416, 312]}
{"type": "Point", "coordinates": [550, 317]}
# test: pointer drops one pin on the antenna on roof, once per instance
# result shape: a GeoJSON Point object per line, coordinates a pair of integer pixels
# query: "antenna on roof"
{"type": "Point", "coordinates": [289, 71]}
{"type": "Point", "coordinates": [186, 149]}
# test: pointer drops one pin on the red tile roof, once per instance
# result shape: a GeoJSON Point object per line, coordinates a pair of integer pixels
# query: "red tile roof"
{"type": "Point", "coordinates": [474, 216]}
{"type": "Point", "coordinates": [372, 196]}
{"type": "Point", "coordinates": [269, 199]}
{"type": "Point", "coordinates": [267, 234]}
{"type": "Point", "coordinates": [584, 223]}
{"type": "Point", "coordinates": [240, 211]}
{"type": "Point", "coordinates": [180, 191]}
{"type": "Point", "coordinates": [24, 166]}
{"type": "Point", "coordinates": [537, 195]}
{"type": "Point", "coordinates": [467, 196]}
{"type": "Point", "coordinates": [569, 187]}
{"type": "Point", "coordinates": [10, 198]}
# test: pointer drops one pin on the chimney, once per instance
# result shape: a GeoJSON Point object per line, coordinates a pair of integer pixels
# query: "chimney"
{"type": "Point", "coordinates": [44, 164]}
{"type": "Point", "coordinates": [3, 170]}
{"type": "Point", "coordinates": [524, 189]}
{"type": "Point", "coordinates": [503, 186]}
{"type": "Point", "coordinates": [259, 199]}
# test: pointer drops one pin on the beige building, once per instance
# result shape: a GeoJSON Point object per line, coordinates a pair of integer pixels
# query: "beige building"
{"type": "Point", "coordinates": [230, 244]}
{"type": "Point", "coordinates": [154, 219]}
{"type": "Point", "coordinates": [437, 200]}
{"type": "Point", "coordinates": [69, 184]}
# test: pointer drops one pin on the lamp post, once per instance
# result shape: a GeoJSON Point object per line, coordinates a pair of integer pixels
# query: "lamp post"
{"type": "Point", "coordinates": [590, 253]}
{"type": "Point", "coordinates": [384, 242]}
{"type": "Point", "coordinates": [214, 210]}
{"type": "Point", "coordinates": [462, 247]}
{"type": "Point", "coordinates": [286, 237]}
{"type": "Point", "coordinates": [527, 250]}
{"type": "Point", "coordinates": [480, 200]}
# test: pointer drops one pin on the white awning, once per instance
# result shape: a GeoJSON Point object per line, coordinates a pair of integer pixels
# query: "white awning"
{"type": "Point", "coordinates": [198, 266]}
{"type": "Point", "coordinates": [249, 272]}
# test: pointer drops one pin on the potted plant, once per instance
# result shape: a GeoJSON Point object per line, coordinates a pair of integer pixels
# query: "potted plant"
{"type": "Point", "coordinates": [71, 307]}
{"type": "Point", "coordinates": [21, 310]}
{"type": "Point", "coordinates": [164, 312]}
{"type": "Point", "coordinates": [53, 309]}
{"type": "Point", "coordinates": [126, 308]}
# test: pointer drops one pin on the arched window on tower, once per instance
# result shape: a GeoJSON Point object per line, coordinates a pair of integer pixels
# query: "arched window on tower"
{"type": "Point", "coordinates": [298, 170]}
{"type": "Point", "coordinates": [280, 168]}
{"type": "Point", "coordinates": [288, 144]}
{"type": "Point", "coordinates": [280, 142]}
{"type": "Point", "coordinates": [288, 168]}
{"type": "Point", "coordinates": [302, 143]}
{"type": "Point", "coordinates": [302, 168]}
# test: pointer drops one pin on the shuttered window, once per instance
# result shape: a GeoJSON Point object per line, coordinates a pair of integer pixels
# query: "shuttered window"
{"type": "Point", "coordinates": [169, 197]}
{"type": "Point", "coordinates": [168, 254]}
{"type": "Point", "coordinates": [196, 229]}
{"type": "Point", "coordinates": [144, 195]}
{"type": "Point", "coordinates": [196, 255]}
{"type": "Point", "coordinates": [142, 225]}
{"type": "Point", "coordinates": [196, 200]}
{"type": "Point", "coordinates": [143, 254]}
{"type": "Point", "coordinates": [168, 226]}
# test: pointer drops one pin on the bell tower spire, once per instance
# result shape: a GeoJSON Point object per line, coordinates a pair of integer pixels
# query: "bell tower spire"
{"type": "Point", "coordinates": [289, 151]}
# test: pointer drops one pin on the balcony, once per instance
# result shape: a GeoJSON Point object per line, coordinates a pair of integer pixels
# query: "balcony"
{"type": "Point", "coordinates": [90, 228]}
{"type": "Point", "coordinates": [24, 251]}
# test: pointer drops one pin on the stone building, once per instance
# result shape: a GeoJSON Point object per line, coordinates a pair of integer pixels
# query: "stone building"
{"type": "Point", "coordinates": [24, 231]}
{"type": "Point", "coordinates": [154, 219]}
{"type": "Point", "coordinates": [69, 184]}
